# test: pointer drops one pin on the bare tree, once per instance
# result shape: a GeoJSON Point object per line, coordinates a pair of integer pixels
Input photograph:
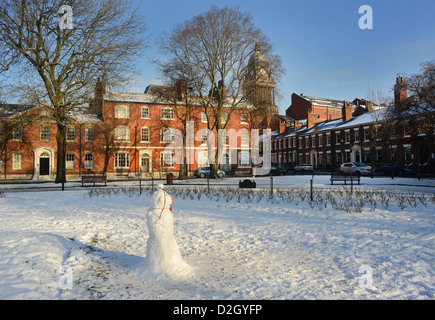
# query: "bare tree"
{"type": "Point", "coordinates": [421, 91]}
{"type": "Point", "coordinates": [377, 129]}
{"type": "Point", "coordinates": [414, 110]}
{"type": "Point", "coordinates": [106, 38]}
{"type": "Point", "coordinates": [211, 51]}
{"type": "Point", "coordinates": [178, 93]}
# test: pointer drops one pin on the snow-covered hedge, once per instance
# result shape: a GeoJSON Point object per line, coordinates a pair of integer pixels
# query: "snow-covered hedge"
{"type": "Point", "coordinates": [343, 199]}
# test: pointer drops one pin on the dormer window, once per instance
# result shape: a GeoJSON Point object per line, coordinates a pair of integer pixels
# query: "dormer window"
{"type": "Point", "coordinates": [44, 113]}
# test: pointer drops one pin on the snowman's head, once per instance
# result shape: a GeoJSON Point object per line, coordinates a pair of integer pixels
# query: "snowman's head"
{"type": "Point", "coordinates": [160, 186]}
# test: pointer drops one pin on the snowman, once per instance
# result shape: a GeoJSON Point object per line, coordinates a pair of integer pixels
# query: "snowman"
{"type": "Point", "coordinates": [163, 255]}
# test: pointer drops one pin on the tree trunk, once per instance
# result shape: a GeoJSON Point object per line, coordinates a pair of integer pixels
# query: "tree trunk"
{"type": "Point", "coordinates": [373, 160]}
{"type": "Point", "coordinates": [61, 154]}
{"type": "Point", "coordinates": [182, 159]}
{"type": "Point", "coordinates": [107, 154]}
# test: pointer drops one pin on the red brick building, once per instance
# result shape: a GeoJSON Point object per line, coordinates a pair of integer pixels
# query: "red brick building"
{"type": "Point", "coordinates": [28, 139]}
{"type": "Point", "coordinates": [120, 135]}
{"type": "Point", "coordinates": [358, 133]}
{"type": "Point", "coordinates": [321, 109]}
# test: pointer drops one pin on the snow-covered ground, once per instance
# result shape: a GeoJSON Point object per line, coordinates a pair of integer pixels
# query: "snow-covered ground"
{"type": "Point", "coordinates": [77, 245]}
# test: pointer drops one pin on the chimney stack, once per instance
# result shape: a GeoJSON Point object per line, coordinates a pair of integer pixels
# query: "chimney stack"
{"type": "Point", "coordinates": [181, 89]}
{"type": "Point", "coordinates": [282, 127]}
{"type": "Point", "coordinates": [311, 119]}
{"type": "Point", "coordinates": [96, 106]}
{"type": "Point", "coordinates": [400, 93]}
{"type": "Point", "coordinates": [346, 111]}
{"type": "Point", "coordinates": [297, 124]}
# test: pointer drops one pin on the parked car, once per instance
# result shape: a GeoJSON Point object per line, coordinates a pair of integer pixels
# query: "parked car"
{"type": "Point", "coordinates": [356, 168]}
{"type": "Point", "coordinates": [303, 167]}
{"type": "Point", "coordinates": [398, 169]}
{"type": "Point", "coordinates": [278, 171]}
{"type": "Point", "coordinates": [205, 172]}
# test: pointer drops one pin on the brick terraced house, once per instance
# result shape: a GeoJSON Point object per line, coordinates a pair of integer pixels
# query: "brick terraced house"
{"type": "Point", "coordinates": [360, 133]}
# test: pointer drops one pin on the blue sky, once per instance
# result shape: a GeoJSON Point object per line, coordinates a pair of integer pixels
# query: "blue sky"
{"type": "Point", "coordinates": [323, 50]}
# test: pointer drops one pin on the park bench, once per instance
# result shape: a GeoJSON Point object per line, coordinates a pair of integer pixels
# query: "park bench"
{"type": "Point", "coordinates": [94, 179]}
{"type": "Point", "coordinates": [247, 184]}
{"type": "Point", "coordinates": [345, 178]}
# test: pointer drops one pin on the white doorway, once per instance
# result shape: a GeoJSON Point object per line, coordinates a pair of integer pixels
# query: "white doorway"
{"type": "Point", "coordinates": [43, 169]}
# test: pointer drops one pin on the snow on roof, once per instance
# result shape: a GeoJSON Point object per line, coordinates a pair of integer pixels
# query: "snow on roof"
{"type": "Point", "coordinates": [326, 125]}
{"type": "Point", "coordinates": [157, 99]}
{"type": "Point", "coordinates": [298, 131]}
{"type": "Point", "coordinates": [9, 110]}
{"type": "Point", "coordinates": [78, 114]}
{"type": "Point", "coordinates": [337, 124]}
{"type": "Point", "coordinates": [83, 115]}
{"type": "Point", "coordinates": [365, 118]}
{"type": "Point", "coordinates": [322, 101]}
{"type": "Point", "coordinates": [130, 97]}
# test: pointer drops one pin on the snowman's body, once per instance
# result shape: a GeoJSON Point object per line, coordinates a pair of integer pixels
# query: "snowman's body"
{"type": "Point", "coordinates": [163, 256]}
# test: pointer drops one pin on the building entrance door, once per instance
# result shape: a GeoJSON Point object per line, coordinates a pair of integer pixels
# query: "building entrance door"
{"type": "Point", "coordinates": [44, 166]}
{"type": "Point", "coordinates": [145, 163]}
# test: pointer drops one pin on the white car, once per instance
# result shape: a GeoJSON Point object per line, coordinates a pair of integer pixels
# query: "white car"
{"type": "Point", "coordinates": [356, 168]}
{"type": "Point", "coordinates": [303, 167]}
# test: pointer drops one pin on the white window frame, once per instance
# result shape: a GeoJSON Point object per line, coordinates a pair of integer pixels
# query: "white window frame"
{"type": "Point", "coordinates": [89, 161]}
{"type": "Point", "coordinates": [89, 134]}
{"type": "Point", "coordinates": [122, 112]}
{"type": "Point", "coordinates": [167, 113]}
{"type": "Point", "coordinates": [145, 132]}
{"type": "Point", "coordinates": [125, 159]}
{"type": "Point", "coordinates": [203, 160]}
{"type": "Point", "coordinates": [243, 118]}
{"type": "Point", "coordinates": [17, 132]}
{"type": "Point", "coordinates": [356, 137]}
{"type": "Point", "coordinates": [338, 137]}
{"type": "Point", "coordinates": [203, 117]}
{"type": "Point", "coordinates": [379, 155]}
{"type": "Point", "coordinates": [204, 137]}
{"type": "Point", "coordinates": [167, 159]}
{"type": "Point", "coordinates": [70, 134]}
{"type": "Point", "coordinates": [122, 134]}
{"type": "Point", "coordinates": [170, 138]}
{"type": "Point", "coordinates": [69, 161]}
{"type": "Point", "coordinates": [328, 139]}
{"type": "Point", "coordinates": [347, 137]}
{"type": "Point", "coordinates": [44, 113]}
{"type": "Point", "coordinates": [45, 133]}
{"type": "Point", "coordinates": [244, 159]}
{"type": "Point", "coordinates": [17, 161]}
{"type": "Point", "coordinates": [366, 133]}
{"type": "Point", "coordinates": [145, 113]}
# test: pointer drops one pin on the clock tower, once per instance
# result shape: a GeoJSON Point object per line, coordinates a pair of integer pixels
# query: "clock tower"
{"type": "Point", "coordinates": [259, 86]}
